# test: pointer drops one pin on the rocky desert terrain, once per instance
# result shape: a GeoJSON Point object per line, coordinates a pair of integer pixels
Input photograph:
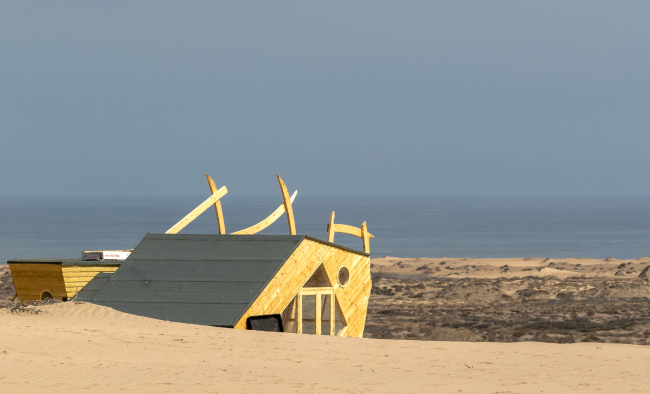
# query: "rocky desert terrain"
{"type": "Point", "coordinates": [510, 300]}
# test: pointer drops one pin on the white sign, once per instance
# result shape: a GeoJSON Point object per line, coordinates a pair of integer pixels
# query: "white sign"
{"type": "Point", "coordinates": [105, 255]}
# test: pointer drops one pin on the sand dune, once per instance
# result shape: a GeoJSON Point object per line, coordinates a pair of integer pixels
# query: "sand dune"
{"type": "Point", "coordinates": [79, 347]}
{"type": "Point", "coordinates": [74, 347]}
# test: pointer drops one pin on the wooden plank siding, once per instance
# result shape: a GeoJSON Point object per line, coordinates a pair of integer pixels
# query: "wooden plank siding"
{"type": "Point", "coordinates": [299, 267]}
{"type": "Point", "coordinates": [31, 279]}
{"type": "Point", "coordinates": [62, 280]}
{"type": "Point", "coordinates": [76, 277]}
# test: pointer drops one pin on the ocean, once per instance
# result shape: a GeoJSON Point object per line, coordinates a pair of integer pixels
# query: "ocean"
{"type": "Point", "coordinates": [556, 227]}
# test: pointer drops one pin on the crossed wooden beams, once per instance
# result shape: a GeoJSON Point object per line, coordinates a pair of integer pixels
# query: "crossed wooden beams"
{"type": "Point", "coordinates": [215, 199]}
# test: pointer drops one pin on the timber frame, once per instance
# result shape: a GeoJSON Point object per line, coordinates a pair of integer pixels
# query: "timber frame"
{"type": "Point", "coordinates": [294, 315]}
{"type": "Point", "coordinates": [347, 302]}
{"type": "Point", "coordinates": [227, 280]}
{"type": "Point", "coordinates": [230, 280]}
{"type": "Point", "coordinates": [288, 288]}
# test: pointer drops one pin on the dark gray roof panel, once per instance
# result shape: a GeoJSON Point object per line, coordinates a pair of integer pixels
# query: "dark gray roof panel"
{"type": "Point", "coordinates": [177, 291]}
{"type": "Point", "coordinates": [214, 247]}
{"type": "Point", "coordinates": [91, 288]}
{"type": "Point", "coordinates": [224, 237]}
{"type": "Point", "coordinates": [196, 278]}
{"type": "Point", "coordinates": [199, 270]}
{"type": "Point", "coordinates": [110, 263]}
{"type": "Point", "coordinates": [220, 315]}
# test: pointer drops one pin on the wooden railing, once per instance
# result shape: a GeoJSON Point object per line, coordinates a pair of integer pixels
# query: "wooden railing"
{"type": "Point", "coordinates": [362, 232]}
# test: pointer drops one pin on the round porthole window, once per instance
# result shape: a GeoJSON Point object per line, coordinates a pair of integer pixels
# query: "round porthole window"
{"type": "Point", "coordinates": [344, 276]}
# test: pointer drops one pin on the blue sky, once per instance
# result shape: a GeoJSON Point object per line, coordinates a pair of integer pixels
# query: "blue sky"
{"type": "Point", "coordinates": [339, 98]}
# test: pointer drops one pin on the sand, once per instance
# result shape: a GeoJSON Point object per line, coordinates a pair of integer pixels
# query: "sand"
{"type": "Point", "coordinates": [74, 347]}
{"type": "Point", "coordinates": [79, 347]}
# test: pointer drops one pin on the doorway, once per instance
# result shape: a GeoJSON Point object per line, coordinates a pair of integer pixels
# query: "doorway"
{"type": "Point", "coordinates": [313, 311]}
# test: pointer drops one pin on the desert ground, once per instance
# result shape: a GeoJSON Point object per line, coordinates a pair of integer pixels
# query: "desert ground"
{"type": "Point", "coordinates": [510, 300]}
{"type": "Point", "coordinates": [443, 325]}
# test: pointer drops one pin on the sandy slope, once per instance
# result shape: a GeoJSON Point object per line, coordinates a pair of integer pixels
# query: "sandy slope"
{"type": "Point", "coordinates": [80, 347]}
{"type": "Point", "coordinates": [75, 347]}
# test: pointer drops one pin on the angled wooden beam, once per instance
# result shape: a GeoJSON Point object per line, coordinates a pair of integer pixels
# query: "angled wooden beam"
{"type": "Point", "coordinates": [330, 229]}
{"type": "Point", "coordinates": [287, 206]}
{"type": "Point", "coordinates": [197, 211]}
{"type": "Point", "coordinates": [268, 221]}
{"type": "Point", "coordinates": [217, 206]}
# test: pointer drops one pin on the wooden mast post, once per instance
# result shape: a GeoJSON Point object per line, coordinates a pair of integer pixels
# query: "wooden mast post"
{"type": "Point", "coordinates": [365, 237]}
{"type": "Point", "coordinates": [217, 205]}
{"type": "Point", "coordinates": [330, 229]}
{"type": "Point", "coordinates": [287, 206]}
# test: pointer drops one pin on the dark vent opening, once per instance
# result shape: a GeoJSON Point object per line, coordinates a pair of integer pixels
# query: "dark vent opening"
{"type": "Point", "coordinates": [272, 323]}
{"type": "Point", "coordinates": [46, 294]}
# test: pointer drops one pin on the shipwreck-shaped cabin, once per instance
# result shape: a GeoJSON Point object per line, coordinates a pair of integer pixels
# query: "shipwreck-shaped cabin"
{"type": "Point", "coordinates": [290, 283]}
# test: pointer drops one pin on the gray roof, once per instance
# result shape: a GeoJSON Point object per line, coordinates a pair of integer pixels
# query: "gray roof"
{"type": "Point", "coordinates": [91, 288]}
{"type": "Point", "coordinates": [66, 262]}
{"type": "Point", "coordinates": [196, 278]}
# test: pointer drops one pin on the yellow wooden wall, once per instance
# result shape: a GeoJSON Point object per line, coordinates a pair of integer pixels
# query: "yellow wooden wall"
{"type": "Point", "coordinates": [63, 281]}
{"type": "Point", "coordinates": [310, 254]}
{"type": "Point", "coordinates": [31, 279]}
{"type": "Point", "coordinates": [77, 276]}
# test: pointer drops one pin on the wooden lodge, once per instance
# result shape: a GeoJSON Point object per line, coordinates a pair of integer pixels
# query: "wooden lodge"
{"type": "Point", "coordinates": [290, 283]}
{"type": "Point", "coordinates": [311, 286]}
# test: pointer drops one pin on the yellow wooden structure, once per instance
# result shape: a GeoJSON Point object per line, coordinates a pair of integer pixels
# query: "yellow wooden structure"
{"type": "Point", "coordinates": [316, 274]}
{"type": "Point", "coordinates": [302, 291]}
{"type": "Point", "coordinates": [328, 272]}
{"type": "Point", "coordinates": [38, 279]}
{"type": "Point", "coordinates": [321, 288]}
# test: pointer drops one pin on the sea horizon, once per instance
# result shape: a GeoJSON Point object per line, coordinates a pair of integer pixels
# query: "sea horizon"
{"type": "Point", "coordinates": [412, 226]}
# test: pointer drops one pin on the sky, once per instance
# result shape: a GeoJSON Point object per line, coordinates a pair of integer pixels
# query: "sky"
{"type": "Point", "coordinates": [422, 98]}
